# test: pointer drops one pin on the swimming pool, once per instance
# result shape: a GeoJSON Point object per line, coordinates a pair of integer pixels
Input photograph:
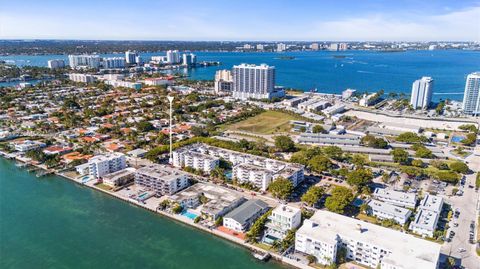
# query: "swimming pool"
{"type": "Point", "coordinates": [457, 138]}
{"type": "Point", "coordinates": [189, 215]}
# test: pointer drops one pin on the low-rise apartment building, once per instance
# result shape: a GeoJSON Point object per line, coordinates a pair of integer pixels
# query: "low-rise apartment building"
{"type": "Point", "coordinates": [105, 164]}
{"type": "Point", "coordinates": [162, 179]}
{"type": "Point", "coordinates": [219, 202]}
{"type": "Point", "coordinates": [398, 198]}
{"type": "Point", "coordinates": [329, 139]}
{"type": "Point", "coordinates": [260, 172]}
{"type": "Point", "coordinates": [27, 145]}
{"type": "Point", "coordinates": [119, 178]}
{"type": "Point", "coordinates": [427, 216]}
{"type": "Point", "coordinates": [241, 218]}
{"type": "Point", "coordinates": [367, 244]}
{"type": "Point", "coordinates": [282, 219]}
{"type": "Point", "coordinates": [384, 210]}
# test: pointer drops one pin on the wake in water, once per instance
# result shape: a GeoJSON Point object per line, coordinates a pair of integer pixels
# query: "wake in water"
{"type": "Point", "coordinates": [448, 93]}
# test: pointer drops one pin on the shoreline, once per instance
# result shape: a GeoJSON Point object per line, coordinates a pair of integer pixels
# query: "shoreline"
{"type": "Point", "coordinates": [277, 257]}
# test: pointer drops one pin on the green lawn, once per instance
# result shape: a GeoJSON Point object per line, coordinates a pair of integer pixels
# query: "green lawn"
{"type": "Point", "coordinates": [268, 122]}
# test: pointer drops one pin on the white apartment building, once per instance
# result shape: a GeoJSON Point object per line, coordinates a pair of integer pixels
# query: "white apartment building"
{"type": "Point", "coordinates": [422, 90]}
{"type": "Point", "coordinates": [367, 100]}
{"type": "Point", "coordinates": [241, 218]}
{"type": "Point", "coordinates": [338, 108]}
{"type": "Point", "coordinates": [282, 219]}
{"type": "Point", "coordinates": [157, 81]}
{"type": "Point", "coordinates": [162, 179]}
{"type": "Point", "coordinates": [223, 81]}
{"type": "Point", "coordinates": [84, 61]}
{"type": "Point", "coordinates": [427, 216]}
{"type": "Point", "coordinates": [258, 176]}
{"type": "Point", "coordinates": [113, 62]}
{"type": "Point", "coordinates": [281, 47]}
{"type": "Point", "coordinates": [85, 78]}
{"type": "Point", "coordinates": [54, 64]}
{"type": "Point", "coordinates": [126, 84]}
{"type": "Point", "coordinates": [189, 59]}
{"type": "Point", "coordinates": [398, 198]}
{"type": "Point", "coordinates": [173, 57]}
{"type": "Point", "coordinates": [131, 57]}
{"type": "Point", "coordinates": [384, 210]}
{"type": "Point", "coordinates": [471, 96]}
{"type": "Point", "coordinates": [27, 145]}
{"type": "Point", "coordinates": [105, 164]}
{"type": "Point", "coordinates": [313, 105]}
{"type": "Point", "coordinates": [195, 160]}
{"type": "Point", "coordinates": [325, 233]}
{"type": "Point", "coordinates": [119, 178]}
{"type": "Point", "coordinates": [253, 81]}
{"type": "Point", "coordinates": [202, 156]}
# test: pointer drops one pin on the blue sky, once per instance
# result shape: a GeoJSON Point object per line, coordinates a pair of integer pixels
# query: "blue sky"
{"type": "Point", "coordinates": [347, 20]}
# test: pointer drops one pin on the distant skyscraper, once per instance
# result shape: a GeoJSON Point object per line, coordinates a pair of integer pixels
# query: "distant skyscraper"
{"type": "Point", "coordinates": [189, 59]}
{"type": "Point", "coordinates": [253, 81]}
{"type": "Point", "coordinates": [260, 47]}
{"type": "Point", "coordinates": [113, 62]}
{"type": "Point", "coordinates": [281, 47]}
{"type": "Point", "coordinates": [471, 96]}
{"type": "Point", "coordinates": [343, 46]}
{"type": "Point", "coordinates": [54, 64]}
{"type": "Point", "coordinates": [173, 57]}
{"type": "Point", "coordinates": [314, 46]}
{"type": "Point", "coordinates": [333, 47]}
{"type": "Point", "coordinates": [422, 93]}
{"type": "Point", "coordinates": [130, 57]}
{"type": "Point", "coordinates": [88, 61]}
{"type": "Point", "coordinates": [139, 59]}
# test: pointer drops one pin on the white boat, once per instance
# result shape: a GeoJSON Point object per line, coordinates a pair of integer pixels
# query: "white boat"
{"type": "Point", "coordinates": [261, 256]}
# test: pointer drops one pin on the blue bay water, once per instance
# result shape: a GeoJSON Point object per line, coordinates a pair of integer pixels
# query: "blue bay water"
{"type": "Point", "coordinates": [362, 70]}
{"type": "Point", "coordinates": [54, 223]}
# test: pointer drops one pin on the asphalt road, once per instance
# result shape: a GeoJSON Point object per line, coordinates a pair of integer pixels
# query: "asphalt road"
{"type": "Point", "coordinates": [468, 204]}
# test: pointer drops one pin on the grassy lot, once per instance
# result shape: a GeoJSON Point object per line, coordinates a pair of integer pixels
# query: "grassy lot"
{"type": "Point", "coordinates": [104, 187]}
{"type": "Point", "coordinates": [268, 122]}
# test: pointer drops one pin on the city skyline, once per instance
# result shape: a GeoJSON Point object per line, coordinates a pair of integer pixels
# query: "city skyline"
{"type": "Point", "coordinates": [265, 21]}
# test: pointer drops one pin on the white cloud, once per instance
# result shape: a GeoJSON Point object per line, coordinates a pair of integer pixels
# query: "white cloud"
{"type": "Point", "coordinates": [458, 25]}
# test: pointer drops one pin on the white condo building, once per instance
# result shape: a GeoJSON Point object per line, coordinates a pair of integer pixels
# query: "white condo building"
{"type": "Point", "coordinates": [325, 233]}
{"type": "Point", "coordinates": [54, 64]}
{"type": "Point", "coordinates": [398, 198]}
{"type": "Point", "coordinates": [105, 164]}
{"type": "Point", "coordinates": [259, 171]}
{"type": "Point", "coordinates": [189, 59]}
{"type": "Point", "coordinates": [471, 96]}
{"type": "Point", "coordinates": [162, 179]}
{"type": "Point", "coordinates": [282, 219]}
{"type": "Point", "coordinates": [113, 62]}
{"type": "Point", "coordinates": [131, 57]}
{"type": "Point", "coordinates": [426, 219]}
{"type": "Point", "coordinates": [173, 57]}
{"type": "Point", "coordinates": [223, 81]}
{"type": "Point", "coordinates": [384, 210]}
{"type": "Point", "coordinates": [84, 61]}
{"type": "Point", "coordinates": [422, 90]}
{"type": "Point", "coordinates": [85, 78]}
{"type": "Point", "coordinates": [253, 81]}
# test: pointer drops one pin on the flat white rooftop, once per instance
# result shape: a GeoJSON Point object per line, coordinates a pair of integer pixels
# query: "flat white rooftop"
{"type": "Point", "coordinates": [432, 203]}
{"type": "Point", "coordinates": [408, 252]}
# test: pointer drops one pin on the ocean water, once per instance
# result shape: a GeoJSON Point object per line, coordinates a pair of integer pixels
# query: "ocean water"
{"type": "Point", "coordinates": [362, 70]}
{"type": "Point", "coordinates": [54, 223]}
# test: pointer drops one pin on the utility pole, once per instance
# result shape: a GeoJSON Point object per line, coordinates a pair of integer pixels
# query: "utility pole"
{"type": "Point", "coordinates": [170, 99]}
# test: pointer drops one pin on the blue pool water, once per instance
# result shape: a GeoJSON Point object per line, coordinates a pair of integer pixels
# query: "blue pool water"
{"type": "Point", "coordinates": [457, 138]}
{"type": "Point", "coordinates": [189, 215]}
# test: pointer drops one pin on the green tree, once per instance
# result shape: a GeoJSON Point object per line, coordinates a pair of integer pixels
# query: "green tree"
{"type": "Point", "coordinates": [470, 139]}
{"type": "Point", "coordinates": [284, 143]}
{"type": "Point", "coordinates": [411, 138]}
{"type": "Point", "coordinates": [422, 152]}
{"type": "Point", "coordinates": [358, 160]}
{"type": "Point", "coordinates": [333, 152]}
{"type": "Point", "coordinates": [360, 177]}
{"type": "Point", "coordinates": [318, 129]}
{"type": "Point", "coordinates": [257, 227]}
{"type": "Point", "coordinates": [468, 127]}
{"type": "Point", "coordinates": [281, 188]}
{"type": "Point", "coordinates": [313, 195]}
{"type": "Point", "coordinates": [447, 176]}
{"type": "Point", "coordinates": [320, 164]}
{"type": "Point", "coordinates": [373, 142]}
{"type": "Point", "coordinates": [459, 167]}
{"type": "Point", "coordinates": [340, 198]}
{"type": "Point", "coordinates": [144, 126]}
{"type": "Point", "coordinates": [399, 156]}
{"type": "Point", "coordinates": [418, 163]}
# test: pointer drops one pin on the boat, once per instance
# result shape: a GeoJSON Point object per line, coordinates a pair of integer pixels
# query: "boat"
{"type": "Point", "coordinates": [261, 256]}
{"type": "Point", "coordinates": [286, 58]}
{"type": "Point", "coordinates": [339, 56]}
